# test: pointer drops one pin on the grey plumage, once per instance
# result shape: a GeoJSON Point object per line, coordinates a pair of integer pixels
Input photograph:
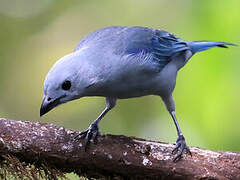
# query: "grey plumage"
{"type": "Point", "coordinates": [122, 62]}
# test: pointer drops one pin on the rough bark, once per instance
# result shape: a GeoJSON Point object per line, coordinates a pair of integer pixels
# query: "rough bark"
{"type": "Point", "coordinates": [126, 157]}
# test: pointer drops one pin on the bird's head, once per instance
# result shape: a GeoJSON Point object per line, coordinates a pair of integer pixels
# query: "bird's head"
{"type": "Point", "coordinates": [63, 83]}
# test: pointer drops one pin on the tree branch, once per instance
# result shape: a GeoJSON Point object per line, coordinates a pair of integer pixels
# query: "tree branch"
{"type": "Point", "coordinates": [127, 157]}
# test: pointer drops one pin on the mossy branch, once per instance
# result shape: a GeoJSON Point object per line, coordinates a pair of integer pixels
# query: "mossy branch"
{"type": "Point", "coordinates": [53, 149]}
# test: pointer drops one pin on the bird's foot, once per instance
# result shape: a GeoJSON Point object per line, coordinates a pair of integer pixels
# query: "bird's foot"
{"type": "Point", "coordinates": [180, 147]}
{"type": "Point", "coordinates": [89, 135]}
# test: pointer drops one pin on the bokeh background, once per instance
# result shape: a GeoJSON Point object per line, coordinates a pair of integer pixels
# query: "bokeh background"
{"type": "Point", "coordinates": [35, 34]}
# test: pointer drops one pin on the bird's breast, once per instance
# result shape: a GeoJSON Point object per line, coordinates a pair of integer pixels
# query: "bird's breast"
{"type": "Point", "coordinates": [128, 77]}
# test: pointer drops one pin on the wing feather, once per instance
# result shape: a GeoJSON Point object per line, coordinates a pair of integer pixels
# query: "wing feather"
{"type": "Point", "coordinates": [124, 40]}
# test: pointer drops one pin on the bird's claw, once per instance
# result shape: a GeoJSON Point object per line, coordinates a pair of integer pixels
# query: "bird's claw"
{"type": "Point", "coordinates": [180, 147]}
{"type": "Point", "coordinates": [89, 135]}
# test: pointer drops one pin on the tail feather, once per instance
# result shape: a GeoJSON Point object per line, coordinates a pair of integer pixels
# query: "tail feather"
{"type": "Point", "coordinates": [197, 46]}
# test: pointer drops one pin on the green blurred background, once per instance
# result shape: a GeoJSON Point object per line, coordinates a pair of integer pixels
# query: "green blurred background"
{"type": "Point", "coordinates": [34, 34]}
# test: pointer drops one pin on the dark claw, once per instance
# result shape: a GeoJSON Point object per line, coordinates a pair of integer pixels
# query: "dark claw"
{"type": "Point", "coordinates": [95, 135]}
{"type": "Point", "coordinates": [90, 134]}
{"type": "Point", "coordinates": [176, 148]}
{"type": "Point", "coordinates": [188, 151]}
{"type": "Point", "coordinates": [80, 135]}
{"type": "Point", "coordinates": [180, 147]}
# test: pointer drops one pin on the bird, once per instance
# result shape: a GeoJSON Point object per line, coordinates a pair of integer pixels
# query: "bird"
{"type": "Point", "coordinates": [121, 62]}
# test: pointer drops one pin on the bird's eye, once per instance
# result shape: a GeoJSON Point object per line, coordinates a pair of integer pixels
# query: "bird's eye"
{"type": "Point", "coordinates": [66, 85]}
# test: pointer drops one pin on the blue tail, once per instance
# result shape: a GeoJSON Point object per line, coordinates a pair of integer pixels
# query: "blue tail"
{"type": "Point", "coordinates": [197, 46]}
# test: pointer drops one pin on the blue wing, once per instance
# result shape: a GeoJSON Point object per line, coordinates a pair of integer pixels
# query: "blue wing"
{"type": "Point", "coordinates": [161, 44]}
{"type": "Point", "coordinates": [134, 40]}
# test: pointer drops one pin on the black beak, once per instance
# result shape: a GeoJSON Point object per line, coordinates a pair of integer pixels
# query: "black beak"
{"type": "Point", "coordinates": [48, 104]}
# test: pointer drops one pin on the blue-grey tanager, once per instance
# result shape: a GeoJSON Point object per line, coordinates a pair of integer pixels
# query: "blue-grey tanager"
{"type": "Point", "coordinates": [121, 62]}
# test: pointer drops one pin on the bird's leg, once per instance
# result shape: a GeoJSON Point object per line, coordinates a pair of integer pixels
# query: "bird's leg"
{"type": "Point", "coordinates": [180, 145]}
{"type": "Point", "coordinates": [92, 132]}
